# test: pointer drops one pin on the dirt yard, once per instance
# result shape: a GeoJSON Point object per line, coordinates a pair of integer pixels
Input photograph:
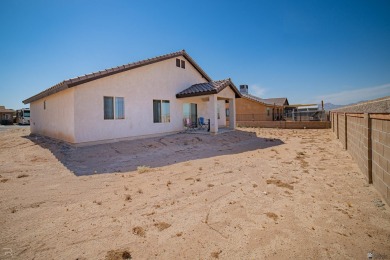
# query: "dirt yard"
{"type": "Point", "coordinates": [248, 194]}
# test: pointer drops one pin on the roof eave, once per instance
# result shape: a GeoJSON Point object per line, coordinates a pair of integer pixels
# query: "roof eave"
{"type": "Point", "coordinates": [55, 89]}
{"type": "Point", "coordinates": [204, 93]}
{"type": "Point", "coordinates": [108, 72]}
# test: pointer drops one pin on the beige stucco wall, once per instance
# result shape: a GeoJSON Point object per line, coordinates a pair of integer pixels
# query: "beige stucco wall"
{"type": "Point", "coordinates": [57, 120]}
{"type": "Point", "coordinates": [162, 80]}
{"type": "Point", "coordinates": [226, 93]}
{"type": "Point", "coordinates": [203, 105]}
{"type": "Point", "coordinates": [251, 110]}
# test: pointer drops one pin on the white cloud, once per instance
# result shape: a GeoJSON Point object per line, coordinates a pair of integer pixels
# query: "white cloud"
{"type": "Point", "coordinates": [257, 90]}
{"type": "Point", "coordinates": [356, 95]}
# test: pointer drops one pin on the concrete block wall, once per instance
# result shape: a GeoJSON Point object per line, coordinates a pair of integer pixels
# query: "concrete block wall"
{"type": "Point", "coordinates": [335, 123]}
{"type": "Point", "coordinates": [286, 124]}
{"type": "Point", "coordinates": [367, 138]}
{"type": "Point", "coordinates": [342, 135]}
{"type": "Point", "coordinates": [356, 143]}
{"type": "Point", "coordinates": [381, 156]}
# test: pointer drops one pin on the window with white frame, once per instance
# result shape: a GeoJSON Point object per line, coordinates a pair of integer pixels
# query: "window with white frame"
{"type": "Point", "coordinates": [161, 111]}
{"type": "Point", "coordinates": [114, 108]}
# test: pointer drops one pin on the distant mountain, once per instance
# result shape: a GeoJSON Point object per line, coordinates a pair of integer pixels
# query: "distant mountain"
{"type": "Point", "coordinates": [330, 106]}
{"type": "Point", "coordinates": [362, 101]}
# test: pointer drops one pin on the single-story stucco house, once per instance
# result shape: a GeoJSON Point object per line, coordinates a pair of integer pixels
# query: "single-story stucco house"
{"type": "Point", "coordinates": [6, 116]}
{"type": "Point", "coordinates": [145, 98]}
{"type": "Point", "coordinates": [251, 107]}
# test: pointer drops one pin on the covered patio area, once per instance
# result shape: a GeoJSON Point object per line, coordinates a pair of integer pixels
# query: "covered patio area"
{"type": "Point", "coordinates": [204, 104]}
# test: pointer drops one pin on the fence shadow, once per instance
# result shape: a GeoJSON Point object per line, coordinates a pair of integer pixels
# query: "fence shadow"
{"type": "Point", "coordinates": [126, 156]}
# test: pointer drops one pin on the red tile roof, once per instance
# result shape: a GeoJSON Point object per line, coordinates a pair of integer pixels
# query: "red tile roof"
{"type": "Point", "coordinates": [108, 72]}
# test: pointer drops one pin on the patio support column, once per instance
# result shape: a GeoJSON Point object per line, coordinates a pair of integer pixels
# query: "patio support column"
{"type": "Point", "coordinates": [232, 113]}
{"type": "Point", "coordinates": [212, 111]}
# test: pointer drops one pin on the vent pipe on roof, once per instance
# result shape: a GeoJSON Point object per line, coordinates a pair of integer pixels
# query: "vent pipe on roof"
{"type": "Point", "coordinates": [244, 89]}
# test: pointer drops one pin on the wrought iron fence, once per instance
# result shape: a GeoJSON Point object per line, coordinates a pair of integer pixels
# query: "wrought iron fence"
{"type": "Point", "coordinates": [288, 116]}
{"type": "Point", "coordinates": [320, 115]}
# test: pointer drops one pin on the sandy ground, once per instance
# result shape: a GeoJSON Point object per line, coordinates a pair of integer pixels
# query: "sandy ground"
{"type": "Point", "coordinates": [248, 194]}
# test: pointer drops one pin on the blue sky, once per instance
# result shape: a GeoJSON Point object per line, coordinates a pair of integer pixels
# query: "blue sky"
{"type": "Point", "coordinates": [306, 51]}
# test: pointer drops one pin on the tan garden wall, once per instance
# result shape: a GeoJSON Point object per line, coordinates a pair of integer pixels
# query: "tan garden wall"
{"type": "Point", "coordinates": [286, 124]}
{"type": "Point", "coordinates": [367, 138]}
{"type": "Point", "coordinates": [380, 138]}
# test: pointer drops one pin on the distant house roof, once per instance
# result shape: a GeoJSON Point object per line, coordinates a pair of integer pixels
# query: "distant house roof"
{"type": "Point", "coordinates": [277, 101]}
{"type": "Point", "coordinates": [212, 87]}
{"type": "Point", "coordinates": [308, 107]}
{"type": "Point", "coordinates": [253, 98]}
{"type": "Point", "coordinates": [108, 72]}
{"type": "Point", "coordinates": [299, 105]}
{"type": "Point", "coordinates": [5, 110]}
{"type": "Point", "coordinates": [267, 101]}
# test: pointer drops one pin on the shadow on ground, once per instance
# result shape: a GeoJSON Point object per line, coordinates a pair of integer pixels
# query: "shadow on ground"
{"type": "Point", "coordinates": [126, 156]}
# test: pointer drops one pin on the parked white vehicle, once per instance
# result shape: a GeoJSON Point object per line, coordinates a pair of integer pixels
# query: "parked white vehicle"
{"type": "Point", "coordinates": [23, 116]}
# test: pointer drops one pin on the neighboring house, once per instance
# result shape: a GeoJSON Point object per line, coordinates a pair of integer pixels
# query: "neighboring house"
{"type": "Point", "coordinates": [304, 112]}
{"type": "Point", "coordinates": [144, 98]}
{"type": "Point", "coordinates": [6, 116]}
{"type": "Point", "coordinates": [250, 107]}
{"type": "Point", "coordinates": [309, 108]}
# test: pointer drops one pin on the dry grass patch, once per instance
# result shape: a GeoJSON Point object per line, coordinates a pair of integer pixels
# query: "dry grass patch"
{"type": "Point", "coordinates": [301, 158]}
{"type": "Point", "coordinates": [139, 231]}
{"type": "Point", "coordinates": [281, 184]}
{"type": "Point", "coordinates": [143, 169]}
{"type": "Point", "coordinates": [216, 254]}
{"type": "Point", "coordinates": [4, 180]}
{"type": "Point", "coordinates": [22, 175]}
{"type": "Point", "coordinates": [272, 215]}
{"type": "Point", "coordinates": [128, 197]}
{"type": "Point", "coordinates": [118, 255]}
{"type": "Point", "coordinates": [162, 225]}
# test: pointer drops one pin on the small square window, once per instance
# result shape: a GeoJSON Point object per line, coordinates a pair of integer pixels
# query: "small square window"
{"type": "Point", "coordinates": [178, 63]}
{"type": "Point", "coordinates": [183, 64]}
